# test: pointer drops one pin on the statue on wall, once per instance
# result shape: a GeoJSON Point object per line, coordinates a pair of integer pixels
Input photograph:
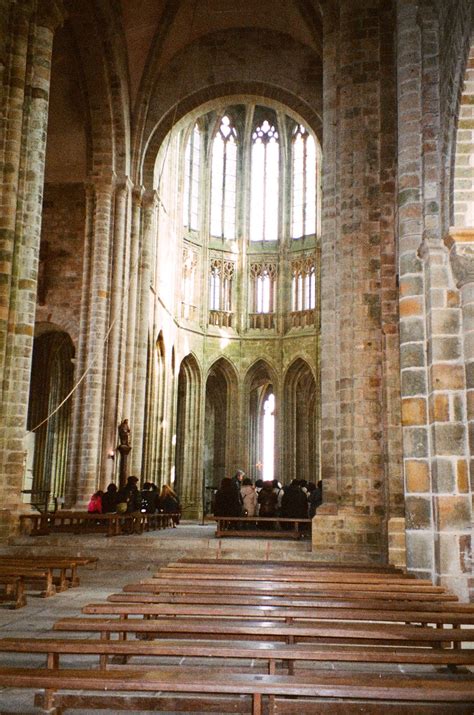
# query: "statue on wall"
{"type": "Point", "coordinates": [124, 433]}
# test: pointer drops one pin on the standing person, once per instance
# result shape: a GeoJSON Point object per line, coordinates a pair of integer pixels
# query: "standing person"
{"type": "Point", "coordinates": [315, 499]}
{"type": "Point", "coordinates": [168, 503]}
{"type": "Point", "coordinates": [268, 501]}
{"type": "Point", "coordinates": [294, 503]}
{"type": "Point", "coordinates": [227, 502]}
{"type": "Point", "coordinates": [249, 497]}
{"type": "Point", "coordinates": [237, 482]}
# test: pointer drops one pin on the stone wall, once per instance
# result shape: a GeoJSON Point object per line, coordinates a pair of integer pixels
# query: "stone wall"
{"type": "Point", "coordinates": [61, 257]}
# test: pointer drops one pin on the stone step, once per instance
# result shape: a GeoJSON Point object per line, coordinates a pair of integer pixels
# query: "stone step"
{"type": "Point", "coordinates": [190, 539]}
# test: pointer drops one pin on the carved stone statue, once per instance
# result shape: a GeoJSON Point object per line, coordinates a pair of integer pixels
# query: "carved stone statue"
{"type": "Point", "coordinates": [124, 433]}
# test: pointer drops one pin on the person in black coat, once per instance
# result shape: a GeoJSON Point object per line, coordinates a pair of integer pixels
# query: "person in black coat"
{"type": "Point", "coordinates": [109, 500]}
{"type": "Point", "coordinates": [227, 501]}
{"type": "Point", "coordinates": [294, 502]}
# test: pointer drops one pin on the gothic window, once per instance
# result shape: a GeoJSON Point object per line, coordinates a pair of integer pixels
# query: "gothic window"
{"type": "Point", "coordinates": [189, 310]}
{"type": "Point", "coordinates": [220, 290]}
{"type": "Point", "coordinates": [304, 165]}
{"type": "Point", "coordinates": [224, 180]}
{"type": "Point", "coordinates": [192, 161]}
{"type": "Point", "coordinates": [263, 276]}
{"type": "Point", "coordinates": [265, 181]}
{"type": "Point", "coordinates": [303, 279]}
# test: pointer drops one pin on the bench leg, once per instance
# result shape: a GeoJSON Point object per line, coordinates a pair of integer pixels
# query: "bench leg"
{"type": "Point", "coordinates": [20, 596]}
{"type": "Point", "coordinates": [257, 704]}
{"type": "Point", "coordinates": [46, 702]}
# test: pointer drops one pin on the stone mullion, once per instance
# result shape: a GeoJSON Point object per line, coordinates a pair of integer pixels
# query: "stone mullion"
{"type": "Point", "coordinates": [414, 383]}
{"type": "Point", "coordinates": [115, 347]}
{"type": "Point", "coordinates": [92, 416]}
{"type": "Point", "coordinates": [133, 271]}
{"type": "Point", "coordinates": [81, 351]}
{"type": "Point", "coordinates": [142, 333]}
{"type": "Point", "coordinates": [330, 205]}
{"type": "Point", "coordinates": [24, 265]}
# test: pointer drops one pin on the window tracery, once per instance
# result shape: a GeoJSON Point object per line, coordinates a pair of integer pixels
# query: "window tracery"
{"type": "Point", "coordinates": [188, 305]}
{"type": "Point", "coordinates": [221, 277]}
{"type": "Point", "coordinates": [224, 180]}
{"type": "Point", "coordinates": [303, 290]}
{"type": "Point", "coordinates": [192, 166]}
{"type": "Point", "coordinates": [304, 168]}
{"type": "Point", "coordinates": [265, 182]}
{"type": "Point", "coordinates": [263, 277]}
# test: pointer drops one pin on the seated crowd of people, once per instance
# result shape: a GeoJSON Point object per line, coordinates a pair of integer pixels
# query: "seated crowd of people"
{"type": "Point", "coordinates": [239, 496]}
{"type": "Point", "coordinates": [129, 499]}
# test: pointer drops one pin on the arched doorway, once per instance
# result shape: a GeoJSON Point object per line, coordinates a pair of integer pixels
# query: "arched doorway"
{"type": "Point", "coordinates": [51, 381]}
{"type": "Point", "coordinates": [188, 437]}
{"type": "Point", "coordinates": [301, 420]}
{"type": "Point", "coordinates": [220, 425]}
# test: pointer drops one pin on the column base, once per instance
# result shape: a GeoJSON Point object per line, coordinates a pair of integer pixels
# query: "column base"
{"type": "Point", "coordinates": [397, 550]}
{"type": "Point", "coordinates": [345, 537]}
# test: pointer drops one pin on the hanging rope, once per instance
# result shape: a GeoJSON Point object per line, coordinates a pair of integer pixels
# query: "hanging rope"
{"type": "Point", "coordinates": [132, 271]}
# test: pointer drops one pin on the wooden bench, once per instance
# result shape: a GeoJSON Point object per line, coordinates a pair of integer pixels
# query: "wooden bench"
{"type": "Point", "coordinates": [77, 522]}
{"type": "Point", "coordinates": [283, 565]}
{"type": "Point", "coordinates": [268, 653]}
{"type": "Point", "coordinates": [287, 614]}
{"type": "Point", "coordinates": [327, 687]}
{"type": "Point", "coordinates": [300, 590]}
{"type": "Point", "coordinates": [333, 601]}
{"type": "Point", "coordinates": [253, 629]}
{"type": "Point", "coordinates": [248, 526]}
{"type": "Point", "coordinates": [32, 576]}
{"type": "Point", "coordinates": [12, 591]}
{"type": "Point", "coordinates": [64, 566]}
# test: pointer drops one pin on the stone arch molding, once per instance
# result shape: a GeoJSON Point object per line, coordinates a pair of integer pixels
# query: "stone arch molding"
{"type": "Point", "coordinates": [272, 64]}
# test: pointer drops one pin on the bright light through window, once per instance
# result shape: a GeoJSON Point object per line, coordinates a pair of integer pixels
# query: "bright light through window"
{"type": "Point", "coordinates": [264, 183]}
{"type": "Point", "coordinates": [303, 183]}
{"type": "Point", "coordinates": [224, 181]}
{"type": "Point", "coordinates": [268, 438]}
{"type": "Point", "coordinates": [192, 160]}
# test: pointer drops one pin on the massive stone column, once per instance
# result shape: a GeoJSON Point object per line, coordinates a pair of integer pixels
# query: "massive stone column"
{"type": "Point", "coordinates": [357, 233]}
{"type": "Point", "coordinates": [26, 75]}
{"type": "Point", "coordinates": [95, 322]}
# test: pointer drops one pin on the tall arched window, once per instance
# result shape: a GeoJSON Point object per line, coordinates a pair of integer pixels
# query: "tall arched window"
{"type": "Point", "coordinates": [303, 204]}
{"type": "Point", "coordinates": [224, 180]}
{"type": "Point", "coordinates": [192, 161]}
{"type": "Point", "coordinates": [265, 182]}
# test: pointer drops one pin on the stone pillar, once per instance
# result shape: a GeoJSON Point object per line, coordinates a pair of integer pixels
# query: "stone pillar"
{"type": "Point", "coordinates": [24, 126]}
{"type": "Point", "coordinates": [143, 331]}
{"type": "Point", "coordinates": [94, 330]}
{"type": "Point", "coordinates": [117, 331]}
{"type": "Point", "coordinates": [132, 283]}
{"type": "Point", "coordinates": [351, 522]}
{"type": "Point", "coordinates": [461, 245]}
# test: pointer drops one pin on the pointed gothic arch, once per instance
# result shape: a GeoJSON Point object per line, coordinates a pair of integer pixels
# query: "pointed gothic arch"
{"type": "Point", "coordinates": [300, 403]}
{"type": "Point", "coordinates": [188, 436]}
{"type": "Point", "coordinates": [260, 382]}
{"type": "Point", "coordinates": [220, 423]}
{"type": "Point", "coordinates": [51, 381]}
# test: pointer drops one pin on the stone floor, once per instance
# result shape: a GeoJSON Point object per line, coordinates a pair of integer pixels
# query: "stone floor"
{"type": "Point", "coordinates": [121, 560]}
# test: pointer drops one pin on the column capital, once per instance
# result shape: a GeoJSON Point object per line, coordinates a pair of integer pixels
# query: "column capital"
{"type": "Point", "coordinates": [460, 243]}
{"type": "Point", "coordinates": [101, 183]}
{"type": "Point", "coordinates": [50, 14]}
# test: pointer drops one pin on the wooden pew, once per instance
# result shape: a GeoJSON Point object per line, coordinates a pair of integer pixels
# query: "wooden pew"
{"type": "Point", "coordinates": [32, 576]}
{"type": "Point", "coordinates": [333, 601]}
{"type": "Point", "coordinates": [64, 567]}
{"type": "Point", "coordinates": [13, 591]}
{"type": "Point", "coordinates": [248, 526]}
{"type": "Point", "coordinates": [306, 564]}
{"type": "Point", "coordinates": [78, 522]}
{"type": "Point", "coordinates": [269, 653]}
{"type": "Point", "coordinates": [287, 614]}
{"type": "Point", "coordinates": [297, 590]}
{"type": "Point", "coordinates": [241, 629]}
{"type": "Point", "coordinates": [328, 687]}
